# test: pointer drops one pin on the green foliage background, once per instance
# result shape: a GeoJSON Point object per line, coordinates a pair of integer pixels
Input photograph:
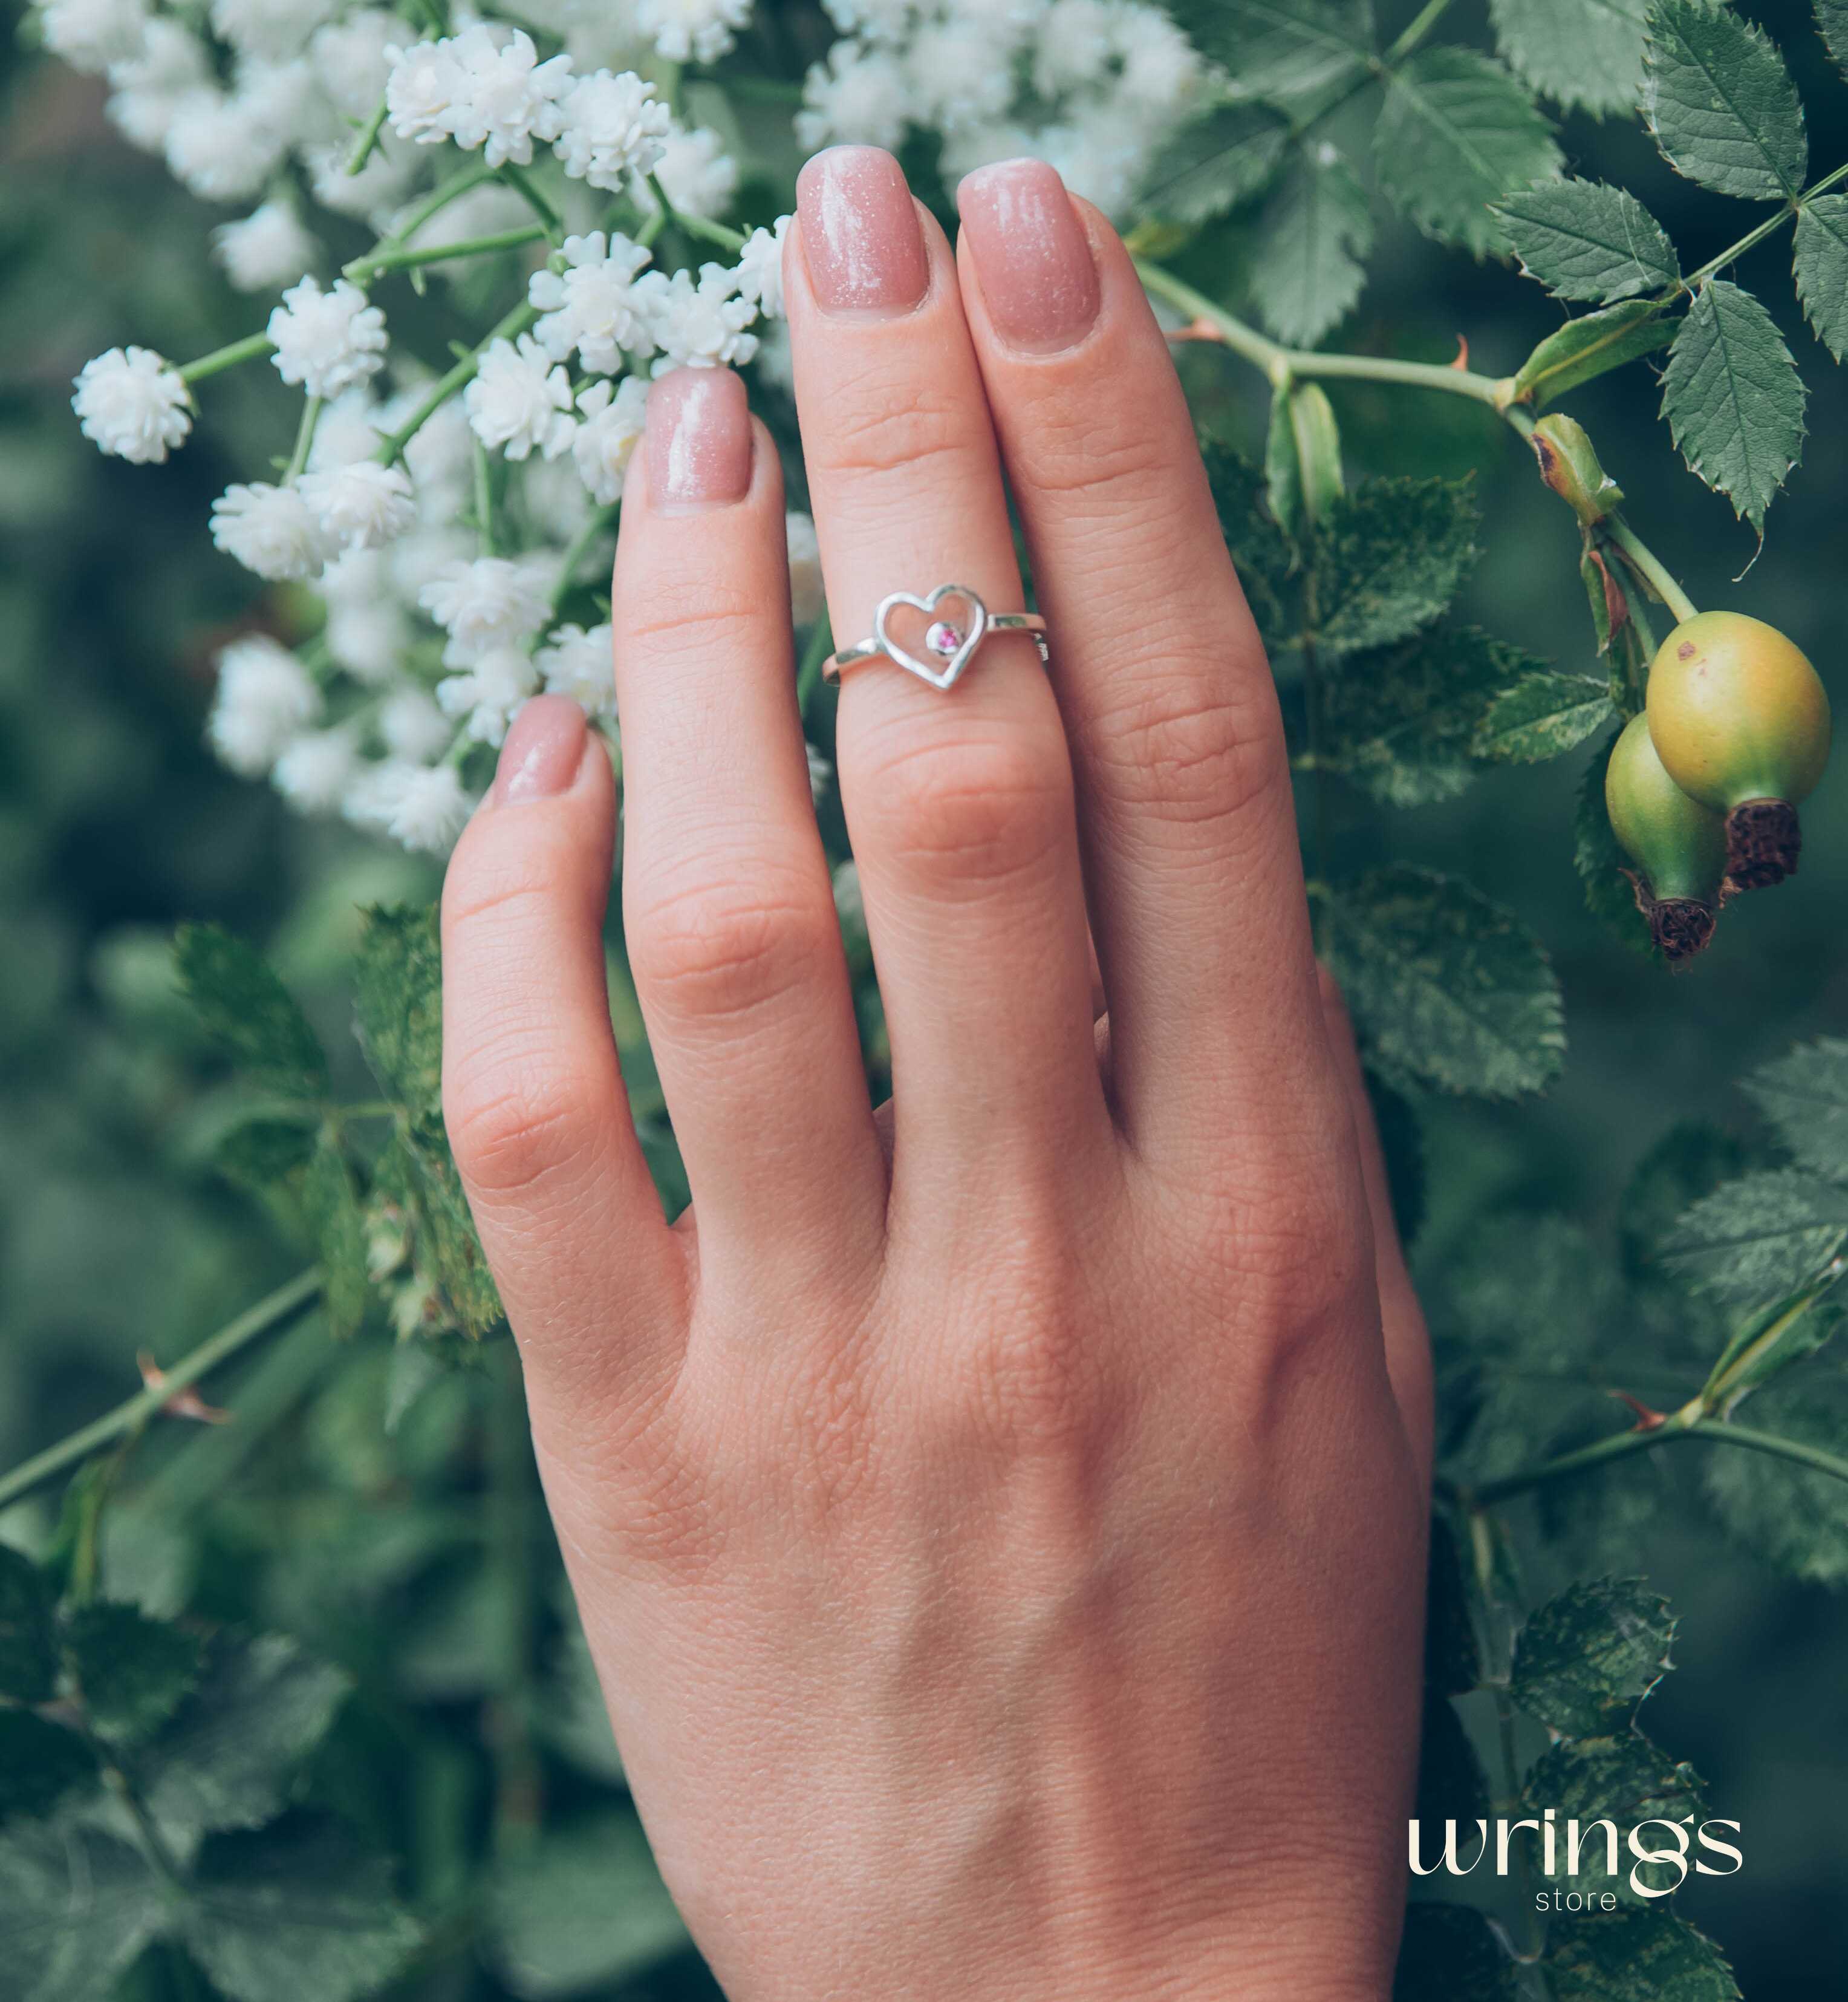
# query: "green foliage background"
{"type": "Point", "coordinates": [119, 1235]}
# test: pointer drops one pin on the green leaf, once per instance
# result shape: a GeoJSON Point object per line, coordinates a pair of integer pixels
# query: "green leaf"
{"type": "Point", "coordinates": [1588, 240]}
{"type": "Point", "coordinates": [76, 1910]}
{"type": "Point", "coordinates": [1281, 48]}
{"type": "Point", "coordinates": [1388, 559]}
{"type": "Point", "coordinates": [415, 1171]}
{"type": "Point", "coordinates": [1832, 20]}
{"type": "Point", "coordinates": [1767, 1344]}
{"type": "Point", "coordinates": [1608, 894]}
{"type": "Point", "coordinates": [1543, 715]}
{"type": "Point", "coordinates": [1257, 546]}
{"type": "Point", "coordinates": [247, 1007]}
{"type": "Point", "coordinates": [28, 1648]}
{"type": "Point", "coordinates": [1310, 236]}
{"type": "Point", "coordinates": [1586, 1659]}
{"type": "Point", "coordinates": [1787, 1516]}
{"type": "Point", "coordinates": [1623, 1778]}
{"type": "Point", "coordinates": [582, 1907]}
{"type": "Point", "coordinates": [1446, 986]}
{"type": "Point", "coordinates": [39, 1762]}
{"type": "Point", "coordinates": [1402, 722]}
{"type": "Point", "coordinates": [1218, 162]}
{"type": "Point", "coordinates": [1820, 258]}
{"type": "Point", "coordinates": [337, 1225]}
{"type": "Point", "coordinates": [1586, 53]}
{"type": "Point", "coordinates": [262, 1152]}
{"type": "Point", "coordinates": [1720, 102]}
{"type": "Point", "coordinates": [1449, 1953]}
{"type": "Point", "coordinates": [132, 1671]}
{"type": "Point", "coordinates": [1805, 1095]}
{"type": "Point", "coordinates": [399, 994]}
{"type": "Point", "coordinates": [1759, 1240]}
{"type": "Point", "coordinates": [1690, 1161]}
{"type": "Point", "coordinates": [1589, 347]}
{"type": "Point", "coordinates": [227, 1759]}
{"type": "Point", "coordinates": [1733, 398]}
{"type": "Point", "coordinates": [295, 1913]}
{"type": "Point", "coordinates": [1456, 132]}
{"type": "Point", "coordinates": [1637, 1956]}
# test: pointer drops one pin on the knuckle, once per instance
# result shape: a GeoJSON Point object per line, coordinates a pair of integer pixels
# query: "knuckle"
{"type": "Point", "coordinates": [695, 614]}
{"type": "Point", "coordinates": [879, 425]}
{"type": "Point", "coordinates": [513, 1119]}
{"type": "Point", "coordinates": [973, 811]}
{"type": "Point", "coordinates": [1117, 466]}
{"type": "Point", "coordinates": [726, 951]}
{"type": "Point", "coordinates": [1178, 746]}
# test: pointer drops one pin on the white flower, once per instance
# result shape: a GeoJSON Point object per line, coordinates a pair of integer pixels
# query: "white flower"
{"type": "Point", "coordinates": [758, 277]}
{"type": "Point", "coordinates": [350, 428]}
{"type": "Point", "coordinates": [91, 34]}
{"type": "Point", "coordinates": [369, 636]}
{"type": "Point", "coordinates": [423, 807]}
{"type": "Point", "coordinates": [268, 27]}
{"type": "Point", "coordinates": [491, 602]}
{"type": "Point", "coordinates": [327, 341]}
{"type": "Point", "coordinates": [270, 530]}
{"type": "Point", "coordinates": [806, 596]}
{"type": "Point", "coordinates": [348, 58]}
{"type": "Point", "coordinates": [698, 326]}
{"type": "Point", "coordinates": [577, 664]}
{"type": "Point", "coordinates": [489, 692]}
{"type": "Point", "coordinates": [131, 402]}
{"type": "Point", "coordinates": [482, 88]}
{"type": "Point", "coordinates": [1074, 42]}
{"type": "Point", "coordinates": [440, 453]}
{"type": "Point", "coordinates": [149, 87]}
{"type": "Point", "coordinates": [878, 20]}
{"type": "Point", "coordinates": [411, 726]}
{"type": "Point", "coordinates": [612, 127]}
{"type": "Point", "coordinates": [692, 30]}
{"type": "Point", "coordinates": [315, 769]}
{"type": "Point", "coordinates": [266, 247]}
{"type": "Point", "coordinates": [821, 773]}
{"type": "Point", "coordinates": [590, 309]}
{"type": "Point", "coordinates": [520, 401]}
{"type": "Point", "coordinates": [606, 440]}
{"type": "Point", "coordinates": [363, 504]}
{"type": "Point", "coordinates": [960, 71]}
{"type": "Point", "coordinates": [859, 96]}
{"type": "Point", "coordinates": [1161, 69]}
{"type": "Point", "coordinates": [264, 697]}
{"type": "Point", "coordinates": [220, 146]}
{"type": "Point", "coordinates": [700, 176]}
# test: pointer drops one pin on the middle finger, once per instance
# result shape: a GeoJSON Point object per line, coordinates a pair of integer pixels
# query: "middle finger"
{"type": "Point", "coordinates": [960, 803]}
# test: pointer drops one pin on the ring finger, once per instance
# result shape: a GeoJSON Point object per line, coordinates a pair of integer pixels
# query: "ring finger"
{"type": "Point", "coordinates": [960, 804]}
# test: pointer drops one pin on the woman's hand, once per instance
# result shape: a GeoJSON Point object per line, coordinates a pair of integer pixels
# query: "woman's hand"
{"type": "Point", "coordinates": [998, 1519]}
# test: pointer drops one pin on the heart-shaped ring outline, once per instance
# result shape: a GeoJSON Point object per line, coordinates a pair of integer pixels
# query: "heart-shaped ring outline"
{"type": "Point", "coordinates": [973, 634]}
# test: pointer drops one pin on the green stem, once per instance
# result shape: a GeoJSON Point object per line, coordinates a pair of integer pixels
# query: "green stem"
{"type": "Point", "coordinates": [96, 1482]}
{"type": "Point", "coordinates": [368, 138]}
{"type": "Point", "coordinates": [484, 500]}
{"type": "Point", "coordinates": [522, 185]}
{"type": "Point", "coordinates": [514, 323]}
{"type": "Point", "coordinates": [221, 358]}
{"type": "Point", "coordinates": [1680, 1427]}
{"type": "Point", "coordinates": [438, 199]}
{"type": "Point", "coordinates": [305, 441]}
{"type": "Point", "coordinates": [1415, 32]}
{"type": "Point", "coordinates": [278, 1309]}
{"type": "Point", "coordinates": [696, 226]}
{"type": "Point", "coordinates": [362, 268]}
{"type": "Point", "coordinates": [1649, 566]}
{"type": "Point", "coordinates": [599, 523]}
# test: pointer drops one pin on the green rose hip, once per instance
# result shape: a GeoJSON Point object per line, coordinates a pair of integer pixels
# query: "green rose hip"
{"type": "Point", "coordinates": [1678, 846]}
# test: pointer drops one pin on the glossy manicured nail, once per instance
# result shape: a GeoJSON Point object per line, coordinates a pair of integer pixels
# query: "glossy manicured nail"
{"type": "Point", "coordinates": [544, 747]}
{"type": "Point", "coordinates": [860, 237]}
{"type": "Point", "coordinates": [698, 439]}
{"type": "Point", "coordinates": [1032, 259]}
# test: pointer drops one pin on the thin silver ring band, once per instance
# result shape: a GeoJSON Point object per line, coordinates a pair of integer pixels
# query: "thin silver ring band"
{"type": "Point", "coordinates": [953, 647]}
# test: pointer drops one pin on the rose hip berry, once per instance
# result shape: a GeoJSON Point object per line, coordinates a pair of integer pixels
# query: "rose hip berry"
{"type": "Point", "coordinates": [1678, 846]}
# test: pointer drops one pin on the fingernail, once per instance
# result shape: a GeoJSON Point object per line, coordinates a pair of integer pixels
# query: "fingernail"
{"type": "Point", "coordinates": [698, 439]}
{"type": "Point", "coordinates": [1032, 259]}
{"type": "Point", "coordinates": [860, 236]}
{"type": "Point", "coordinates": [544, 747]}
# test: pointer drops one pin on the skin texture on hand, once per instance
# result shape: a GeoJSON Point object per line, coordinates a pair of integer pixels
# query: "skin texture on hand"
{"type": "Point", "coordinates": [998, 1519]}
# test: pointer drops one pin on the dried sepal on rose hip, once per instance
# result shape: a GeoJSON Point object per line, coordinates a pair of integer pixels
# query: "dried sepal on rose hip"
{"type": "Point", "coordinates": [1678, 846]}
{"type": "Point", "coordinates": [1740, 720]}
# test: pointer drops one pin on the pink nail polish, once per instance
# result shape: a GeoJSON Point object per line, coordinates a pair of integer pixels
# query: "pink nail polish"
{"type": "Point", "coordinates": [700, 443]}
{"type": "Point", "coordinates": [860, 238]}
{"type": "Point", "coordinates": [1032, 259]}
{"type": "Point", "coordinates": [544, 747]}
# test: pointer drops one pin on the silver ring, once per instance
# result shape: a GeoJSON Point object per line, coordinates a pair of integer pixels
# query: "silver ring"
{"type": "Point", "coordinates": [951, 644]}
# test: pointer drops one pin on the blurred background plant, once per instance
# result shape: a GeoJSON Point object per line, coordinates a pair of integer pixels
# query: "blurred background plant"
{"type": "Point", "coordinates": [382, 1511]}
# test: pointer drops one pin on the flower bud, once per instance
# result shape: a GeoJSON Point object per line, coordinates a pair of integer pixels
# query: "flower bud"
{"type": "Point", "coordinates": [1569, 466]}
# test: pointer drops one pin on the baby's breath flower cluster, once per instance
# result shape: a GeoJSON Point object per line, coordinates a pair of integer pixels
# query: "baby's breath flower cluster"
{"type": "Point", "coordinates": [452, 520]}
